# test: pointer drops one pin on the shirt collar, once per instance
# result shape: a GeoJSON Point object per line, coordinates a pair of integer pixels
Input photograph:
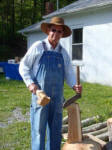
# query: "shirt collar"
{"type": "Point", "coordinates": [49, 46]}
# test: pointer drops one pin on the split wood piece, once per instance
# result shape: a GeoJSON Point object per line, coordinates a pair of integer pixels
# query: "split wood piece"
{"type": "Point", "coordinates": [109, 125]}
{"type": "Point", "coordinates": [74, 124]}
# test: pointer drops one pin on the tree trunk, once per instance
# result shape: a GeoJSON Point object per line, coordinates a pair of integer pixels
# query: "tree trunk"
{"type": "Point", "coordinates": [21, 13]}
{"type": "Point", "coordinates": [13, 18]}
{"type": "Point", "coordinates": [34, 11]}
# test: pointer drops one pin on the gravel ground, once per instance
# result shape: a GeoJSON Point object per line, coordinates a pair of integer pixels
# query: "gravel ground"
{"type": "Point", "coordinates": [16, 116]}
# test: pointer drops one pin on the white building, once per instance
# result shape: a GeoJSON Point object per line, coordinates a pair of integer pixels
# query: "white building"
{"type": "Point", "coordinates": [91, 41]}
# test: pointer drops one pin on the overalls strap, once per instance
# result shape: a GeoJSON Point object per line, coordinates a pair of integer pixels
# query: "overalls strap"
{"type": "Point", "coordinates": [44, 45]}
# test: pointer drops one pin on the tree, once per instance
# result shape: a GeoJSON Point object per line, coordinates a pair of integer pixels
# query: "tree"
{"type": "Point", "coordinates": [18, 14]}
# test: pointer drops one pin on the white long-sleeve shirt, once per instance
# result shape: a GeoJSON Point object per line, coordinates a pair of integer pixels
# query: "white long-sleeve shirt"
{"type": "Point", "coordinates": [30, 63]}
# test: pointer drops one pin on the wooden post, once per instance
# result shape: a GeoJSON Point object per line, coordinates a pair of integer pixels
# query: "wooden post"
{"type": "Point", "coordinates": [109, 126]}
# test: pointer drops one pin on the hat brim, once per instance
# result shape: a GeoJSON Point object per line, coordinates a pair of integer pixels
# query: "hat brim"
{"type": "Point", "coordinates": [67, 30]}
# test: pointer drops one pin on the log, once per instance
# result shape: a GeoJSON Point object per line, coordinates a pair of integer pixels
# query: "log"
{"type": "Point", "coordinates": [65, 120]}
{"type": "Point", "coordinates": [65, 136]}
{"type": "Point", "coordinates": [65, 128]}
{"type": "Point", "coordinates": [94, 138]}
{"type": "Point", "coordinates": [109, 126]}
{"type": "Point", "coordinates": [103, 136]}
{"type": "Point", "coordinates": [91, 128]}
{"type": "Point", "coordinates": [84, 122]}
{"type": "Point", "coordinates": [94, 127]}
{"type": "Point", "coordinates": [89, 121]}
{"type": "Point", "coordinates": [98, 131]}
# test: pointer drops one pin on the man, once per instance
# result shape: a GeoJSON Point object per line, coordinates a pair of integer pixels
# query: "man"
{"type": "Point", "coordinates": [45, 66]}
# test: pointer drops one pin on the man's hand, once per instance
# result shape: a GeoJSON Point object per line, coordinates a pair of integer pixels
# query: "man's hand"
{"type": "Point", "coordinates": [32, 88]}
{"type": "Point", "coordinates": [78, 88]}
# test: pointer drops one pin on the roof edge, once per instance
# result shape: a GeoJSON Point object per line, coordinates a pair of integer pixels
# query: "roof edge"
{"type": "Point", "coordinates": [108, 4]}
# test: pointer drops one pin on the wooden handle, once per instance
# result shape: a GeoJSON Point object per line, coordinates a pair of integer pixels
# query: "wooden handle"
{"type": "Point", "coordinates": [78, 75]}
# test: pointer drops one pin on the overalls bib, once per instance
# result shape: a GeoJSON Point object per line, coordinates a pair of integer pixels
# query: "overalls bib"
{"type": "Point", "coordinates": [50, 79]}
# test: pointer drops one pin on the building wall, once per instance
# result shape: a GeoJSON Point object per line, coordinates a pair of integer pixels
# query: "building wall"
{"type": "Point", "coordinates": [97, 45]}
{"type": "Point", "coordinates": [98, 54]}
{"type": "Point", "coordinates": [33, 37]}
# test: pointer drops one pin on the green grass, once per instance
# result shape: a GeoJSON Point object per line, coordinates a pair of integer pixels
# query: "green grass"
{"type": "Point", "coordinates": [96, 100]}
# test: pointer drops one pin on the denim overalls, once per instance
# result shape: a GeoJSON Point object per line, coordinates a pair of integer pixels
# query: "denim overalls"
{"type": "Point", "coordinates": [50, 78]}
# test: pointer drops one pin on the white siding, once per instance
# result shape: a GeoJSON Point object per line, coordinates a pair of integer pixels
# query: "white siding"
{"type": "Point", "coordinates": [66, 44]}
{"type": "Point", "coordinates": [33, 37]}
{"type": "Point", "coordinates": [98, 53]}
{"type": "Point", "coordinates": [97, 44]}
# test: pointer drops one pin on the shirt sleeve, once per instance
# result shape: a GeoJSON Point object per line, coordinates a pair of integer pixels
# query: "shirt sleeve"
{"type": "Point", "coordinates": [26, 64]}
{"type": "Point", "coordinates": [70, 76]}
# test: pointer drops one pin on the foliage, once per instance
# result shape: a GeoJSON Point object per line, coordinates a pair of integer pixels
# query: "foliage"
{"type": "Point", "coordinates": [18, 14]}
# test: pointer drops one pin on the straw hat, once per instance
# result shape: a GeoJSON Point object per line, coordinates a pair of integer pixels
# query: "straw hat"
{"type": "Point", "coordinates": [56, 21]}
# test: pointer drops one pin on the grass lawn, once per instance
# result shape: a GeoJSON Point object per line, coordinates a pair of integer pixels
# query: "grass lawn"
{"type": "Point", "coordinates": [96, 100]}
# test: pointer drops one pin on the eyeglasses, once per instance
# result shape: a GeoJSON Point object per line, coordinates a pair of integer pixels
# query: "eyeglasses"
{"type": "Point", "coordinates": [58, 31]}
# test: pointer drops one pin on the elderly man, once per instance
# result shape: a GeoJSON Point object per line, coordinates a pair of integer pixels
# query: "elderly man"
{"type": "Point", "coordinates": [45, 67]}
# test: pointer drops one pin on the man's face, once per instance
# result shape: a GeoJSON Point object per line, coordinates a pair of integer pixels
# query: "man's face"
{"type": "Point", "coordinates": [55, 33]}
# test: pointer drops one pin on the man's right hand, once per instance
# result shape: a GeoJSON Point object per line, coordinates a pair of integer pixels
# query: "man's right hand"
{"type": "Point", "coordinates": [32, 88]}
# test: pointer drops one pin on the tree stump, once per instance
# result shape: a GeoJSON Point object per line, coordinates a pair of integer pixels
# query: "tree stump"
{"type": "Point", "coordinates": [75, 141]}
{"type": "Point", "coordinates": [86, 144]}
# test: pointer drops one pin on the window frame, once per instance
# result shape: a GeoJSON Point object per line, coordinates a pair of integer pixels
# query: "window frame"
{"type": "Point", "coordinates": [76, 28]}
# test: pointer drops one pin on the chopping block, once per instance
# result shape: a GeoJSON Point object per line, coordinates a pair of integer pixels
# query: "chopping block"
{"type": "Point", "coordinates": [75, 140]}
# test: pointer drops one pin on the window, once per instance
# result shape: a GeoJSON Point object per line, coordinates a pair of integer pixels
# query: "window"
{"type": "Point", "coordinates": [77, 43]}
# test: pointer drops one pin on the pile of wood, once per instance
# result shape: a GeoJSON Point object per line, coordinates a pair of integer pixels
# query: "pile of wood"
{"type": "Point", "coordinates": [90, 127]}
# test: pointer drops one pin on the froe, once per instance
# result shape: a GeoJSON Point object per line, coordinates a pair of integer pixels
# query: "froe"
{"type": "Point", "coordinates": [78, 95]}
